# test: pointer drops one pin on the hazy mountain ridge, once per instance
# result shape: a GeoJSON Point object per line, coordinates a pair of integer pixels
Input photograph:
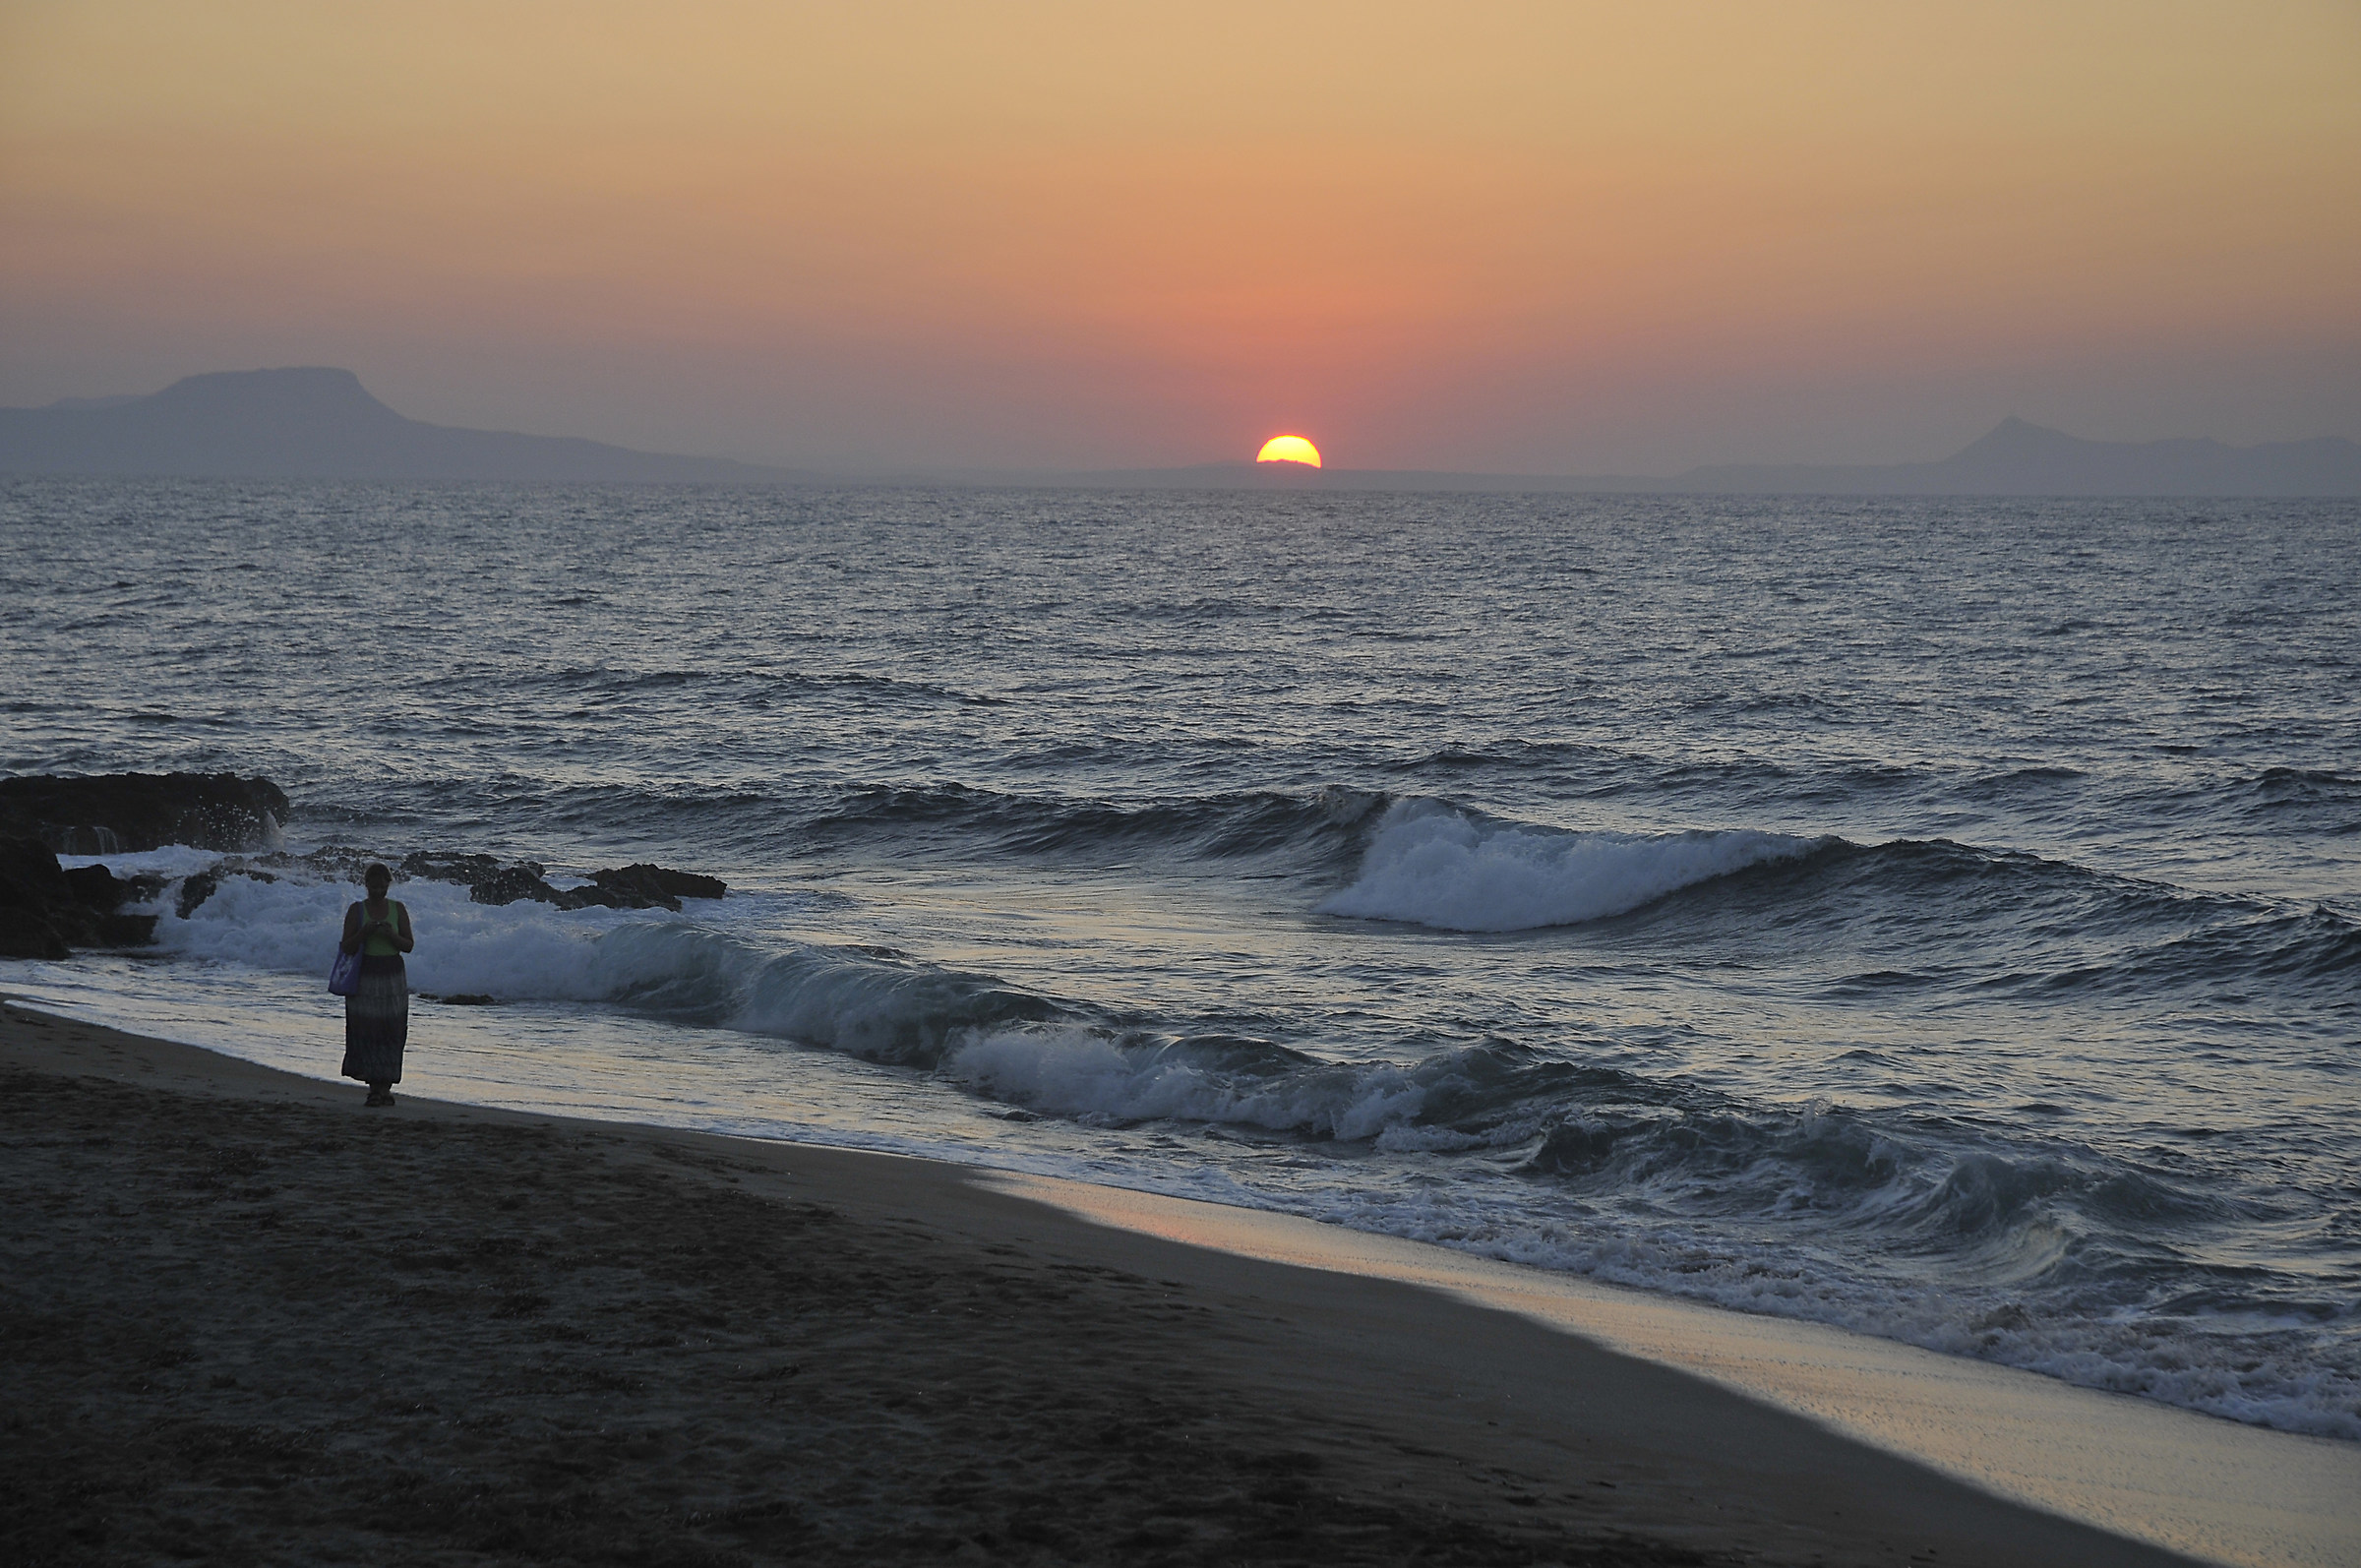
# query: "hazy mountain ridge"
{"type": "Point", "coordinates": [2027, 460]}
{"type": "Point", "coordinates": [318, 423]}
{"type": "Point", "coordinates": [313, 423]}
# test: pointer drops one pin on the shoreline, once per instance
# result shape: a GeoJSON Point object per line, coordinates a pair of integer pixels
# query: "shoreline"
{"type": "Point", "coordinates": [1427, 1410]}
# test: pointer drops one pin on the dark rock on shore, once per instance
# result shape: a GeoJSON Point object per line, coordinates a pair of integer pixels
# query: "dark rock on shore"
{"type": "Point", "coordinates": [440, 866]}
{"type": "Point", "coordinates": [522, 881]}
{"type": "Point", "coordinates": [640, 886]}
{"type": "Point", "coordinates": [45, 911]}
{"type": "Point", "coordinates": [117, 814]}
{"type": "Point", "coordinates": [99, 888]}
{"type": "Point", "coordinates": [487, 881]}
{"type": "Point", "coordinates": [635, 887]}
{"type": "Point", "coordinates": [195, 890]}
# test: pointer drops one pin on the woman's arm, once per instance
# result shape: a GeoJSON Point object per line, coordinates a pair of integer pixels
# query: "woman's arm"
{"type": "Point", "coordinates": [402, 933]}
{"type": "Point", "coordinates": [351, 942]}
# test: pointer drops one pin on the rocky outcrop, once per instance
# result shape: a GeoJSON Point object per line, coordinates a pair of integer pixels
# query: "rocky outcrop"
{"type": "Point", "coordinates": [641, 886]}
{"type": "Point", "coordinates": [121, 814]}
{"type": "Point", "coordinates": [45, 910]}
{"type": "Point", "coordinates": [635, 887]}
{"type": "Point", "coordinates": [487, 881]}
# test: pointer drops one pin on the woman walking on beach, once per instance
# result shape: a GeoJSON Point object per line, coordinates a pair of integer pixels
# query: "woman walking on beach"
{"type": "Point", "coordinates": [376, 1015]}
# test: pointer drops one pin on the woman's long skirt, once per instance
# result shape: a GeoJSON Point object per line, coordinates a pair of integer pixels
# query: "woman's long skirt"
{"type": "Point", "coordinates": [376, 1021]}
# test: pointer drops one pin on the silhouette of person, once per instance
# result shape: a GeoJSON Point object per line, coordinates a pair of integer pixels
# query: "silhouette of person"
{"type": "Point", "coordinates": [376, 1015]}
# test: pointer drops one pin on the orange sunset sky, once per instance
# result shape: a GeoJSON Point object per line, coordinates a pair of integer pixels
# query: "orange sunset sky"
{"type": "Point", "coordinates": [1543, 238]}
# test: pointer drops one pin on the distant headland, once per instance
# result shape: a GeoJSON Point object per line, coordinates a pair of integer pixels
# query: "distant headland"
{"type": "Point", "coordinates": [314, 423]}
{"type": "Point", "coordinates": [318, 423]}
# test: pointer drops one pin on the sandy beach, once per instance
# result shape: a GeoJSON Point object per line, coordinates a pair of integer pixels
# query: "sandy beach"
{"type": "Point", "coordinates": [249, 1321]}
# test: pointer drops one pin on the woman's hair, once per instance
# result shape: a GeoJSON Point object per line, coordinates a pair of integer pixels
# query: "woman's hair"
{"type": "Point", "coordinates": [376, 876]}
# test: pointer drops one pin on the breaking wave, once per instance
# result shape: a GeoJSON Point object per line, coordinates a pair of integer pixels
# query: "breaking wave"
{"type": "Point", "coordinates": [1555, 1153]}
{"type": "Point", "coordinates": [1431, 864]}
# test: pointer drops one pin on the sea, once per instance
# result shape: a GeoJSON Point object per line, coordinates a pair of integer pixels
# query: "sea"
{"type": "Point", "coordinates": [1936, 918]}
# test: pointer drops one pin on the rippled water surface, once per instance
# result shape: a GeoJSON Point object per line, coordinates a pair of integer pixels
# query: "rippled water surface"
{"type": "Point", "coordinates": [1940, 918]}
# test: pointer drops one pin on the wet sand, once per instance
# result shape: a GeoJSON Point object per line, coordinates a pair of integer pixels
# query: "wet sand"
{"type": "Point", "coordinates": [249, 1321]}
{"type": "Point", "coordinates": [2213, 1489]}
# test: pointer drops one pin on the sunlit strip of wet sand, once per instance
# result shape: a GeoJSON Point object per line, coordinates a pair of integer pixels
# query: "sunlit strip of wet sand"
{"type": "Point", "coordinates": [2191, 1483]}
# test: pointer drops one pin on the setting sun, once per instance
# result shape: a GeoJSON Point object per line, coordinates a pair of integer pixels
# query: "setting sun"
{"type": "Point", "coordinates": [1289, 449]}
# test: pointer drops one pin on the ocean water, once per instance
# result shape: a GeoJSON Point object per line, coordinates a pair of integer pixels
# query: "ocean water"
{"type": "Point", "coordinates": [1936, 918]}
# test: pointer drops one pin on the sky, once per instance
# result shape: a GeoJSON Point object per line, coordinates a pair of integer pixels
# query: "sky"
{"type": "Point", "coordinates": [1553, 238]}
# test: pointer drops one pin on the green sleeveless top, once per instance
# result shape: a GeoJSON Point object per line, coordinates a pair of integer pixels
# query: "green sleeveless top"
{"type": "Point", "coordinates": [377, 945]}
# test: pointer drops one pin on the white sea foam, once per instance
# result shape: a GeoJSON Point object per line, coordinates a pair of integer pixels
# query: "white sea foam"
{"type": "Point", "coordinates": [853, 1002]}
{"type": "Point", "coordinates": [1430, 865]}
{"type": "Point", "coordinates": [517, 952]}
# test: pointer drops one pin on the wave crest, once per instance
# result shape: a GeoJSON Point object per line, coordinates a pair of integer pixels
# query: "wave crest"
{"type": "Point", "coordinates": [1431, 864]}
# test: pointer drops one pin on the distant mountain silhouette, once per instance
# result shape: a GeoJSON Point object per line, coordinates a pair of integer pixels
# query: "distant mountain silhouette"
{"type": "Point", "coordinates": [2022, 459]}
{"type": "Point", "coordinates": [322, 424]}
{"type": "Point", "coordinates": [311, 423]}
